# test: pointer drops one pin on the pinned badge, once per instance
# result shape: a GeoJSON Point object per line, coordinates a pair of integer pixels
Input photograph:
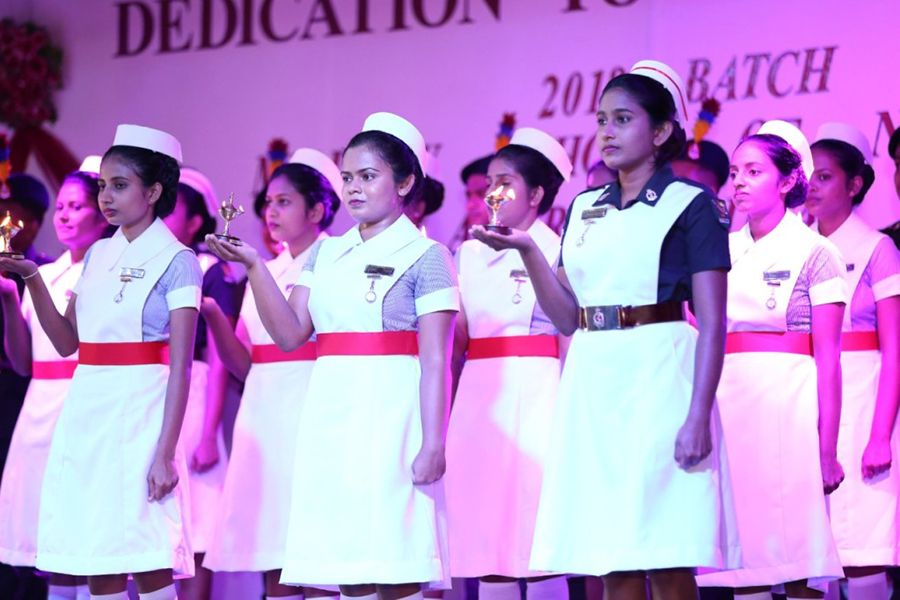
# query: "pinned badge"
{"type": "Point", "coordinates": [651, 196]}
{"type": "Point", "coordinates": [375, 272]}
{"type": "Point", "coordinates": [519, 275]}
{"type": "Point", "coordinates": [850, 267]}
{"type": "Point", "coordinates": [125, 276]}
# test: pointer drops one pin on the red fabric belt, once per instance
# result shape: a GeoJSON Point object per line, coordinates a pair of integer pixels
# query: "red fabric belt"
{"type": "Point", "coordinates": [53, 369]}
{"type": "Point", "coordinates": [790, 342]}
{"type": "Point", "coordinates": [379, 343]}
{"type": "Point", "coordinates": [123, 353]}
{"type": "Point", "coordinates": [513, 345]}
{"type": "Point", "coordinates": [855, 341]}
{"type": "Point", "coordinates": [270, 353]}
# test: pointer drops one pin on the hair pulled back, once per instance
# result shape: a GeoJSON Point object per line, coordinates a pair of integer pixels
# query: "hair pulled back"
{"type": "Point", "coordinates": [152, 167]}
{"type": "Point", "coordinates": [537, 171]}
{"type": "Point", "coordinates": [852, 163]}
{"type": "Point", "coordinates": [401, 159]}
{"type": "Point", "coordinates": [659, 105]}
{"type": "Point", "coordinates": [787, 161]}
{"type": "Point", "coordinates": [314, 188]}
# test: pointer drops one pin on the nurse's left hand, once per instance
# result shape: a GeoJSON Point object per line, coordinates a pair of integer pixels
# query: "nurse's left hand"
{"type": "Point", "coordinates": [693, 443]}
{"type": "Point", "coordinates": [876, 458]}
{"type": "Point", "coordinates": [244, 254]}
{"type": "Point", "coordinates": [429, 465]}
{"type": "Point", "coordinates": [161, 479]}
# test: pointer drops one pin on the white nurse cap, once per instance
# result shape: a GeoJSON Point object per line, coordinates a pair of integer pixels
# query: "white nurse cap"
{"type": "Point", "coordinates": [196, 180]}
{"type": "Point", "coordinates": [546, 145]}
{"type": "Point", "coordinates": [665, 75]}
{"type": "Point", "coordinates": [401, 129]}
{"type": "Point", "coordinates": [90, 164]}
{"type": "Point", "coordinates": [149, 139]}
{"type": "Point", "coordinates": [848, 134]}
{"type": "Point", "coordinates": [795, 139]}
{"type": "Point", "coordinates": [320, 162]}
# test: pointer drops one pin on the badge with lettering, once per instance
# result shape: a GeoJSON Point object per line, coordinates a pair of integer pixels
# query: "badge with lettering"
{"type": "Point", "coordinates": [125, 276]}
{"type": "Point", "coordinates": [594, 213]}
{"type": "Point", "coordinates": [376, 272]}
{"type": "Point", "coordinates": [379, 270]}
{"type": "Point", "coordinates": [776, 275]}
{"type": "Point", "coordinates": [131, 273]}
{"type": "Point", "coordinates": [589, 216]}
{"type": "Point", "coordinates": [519, 275]}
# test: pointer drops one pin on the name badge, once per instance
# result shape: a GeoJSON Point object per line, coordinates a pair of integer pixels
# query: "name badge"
{"type": "Point", "coordinates": [519, 275]}
{"type": "Point", "coordinates": [379, 270]}
{"type": "Point", "coordinates": [776, 275]}
{"type": "Point", "coordinates": [126, 274]}
{"type": "Point", "coordinates": [594, 213]}
{"type": "Point", "coordinates": [375, 272]}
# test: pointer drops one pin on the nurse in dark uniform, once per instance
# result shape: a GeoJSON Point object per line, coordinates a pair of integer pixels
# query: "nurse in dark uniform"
{"type": "Point", "coordinates": [635, 486]}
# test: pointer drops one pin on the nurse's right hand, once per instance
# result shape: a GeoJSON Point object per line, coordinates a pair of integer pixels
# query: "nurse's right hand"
{"type": "Point", "coordinates": [23, 268]}
{"type": "Point", "coordinates": [161, 479]}
{"type": "Point", "coordinates": [832, 473]}
{"type": "Point", "coordinates": [516, 239]}
{"type": "Point", "coordinates": [244, 254]}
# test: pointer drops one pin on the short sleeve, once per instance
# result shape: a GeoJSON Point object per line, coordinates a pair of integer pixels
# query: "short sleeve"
{"type": "Point", "coordinates": [884, 270]}
{"type": "Point", "coordinates": [437, 285]}
{"type": "Point", "coordinates": [706, 234]}
{"type": "Point", "coordinates": [309, 267]}
{"type": "Point", "coordinates": [826, 276]}
{"type": "Point", "coordinates": [182, 282]}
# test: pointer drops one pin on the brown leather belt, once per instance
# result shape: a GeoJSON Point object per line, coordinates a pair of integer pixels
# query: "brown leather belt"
{"type": "Point", "coordinates": [603, 318]}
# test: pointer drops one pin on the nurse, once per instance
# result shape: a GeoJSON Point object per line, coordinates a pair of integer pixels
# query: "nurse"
{"type": "Point", "coordinates": [251, 530]}
{"type": "Point", "coordinates": [382, 301]}
{"type": "Point", "coordinates": [780, 394]}
{"type": "Point", "coordinates": [202, 438]}
{"type": "Point", "coordinates": [508, 352]}
{"type": "Point", "coordinates": [111, 503]}
{"type": "Point", "coordinates": [864, 509]}
{"type": "Point", "coordinates": [635, 486]}
{"type": "Point", "coordinates": [78, 223]}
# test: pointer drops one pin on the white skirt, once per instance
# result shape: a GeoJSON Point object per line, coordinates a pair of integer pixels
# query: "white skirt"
{"type": "Point", "coordinates": [23, 475]}
{"type": "Point", "coordinates": [356, 517]}
{"type": "Point", "coordinates": [864, 512]}
{"type": "Point", "coordinates": [613, 498]}
{"type": "Point", "coordinates": [497, 445]}
{"type": "Point", "coordinates": [769, 409]}
{"type": "Point", "coordinates": [206, 488]}
{"type": "Point", "coordinates": [251, 532]}
{"type": "Point", "coordinates": [95, 518]}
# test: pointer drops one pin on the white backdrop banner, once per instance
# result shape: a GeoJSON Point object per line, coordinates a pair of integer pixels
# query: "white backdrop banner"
{"type": "Point", "coordinates": [227, 76]}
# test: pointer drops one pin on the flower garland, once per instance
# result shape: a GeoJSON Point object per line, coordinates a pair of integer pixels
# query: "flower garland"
{"type": "Point", "coordinates": [30, 71]}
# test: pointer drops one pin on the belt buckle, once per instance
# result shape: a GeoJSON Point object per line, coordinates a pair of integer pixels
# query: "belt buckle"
{"type": "Point", "coordinates": [602, 318]}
